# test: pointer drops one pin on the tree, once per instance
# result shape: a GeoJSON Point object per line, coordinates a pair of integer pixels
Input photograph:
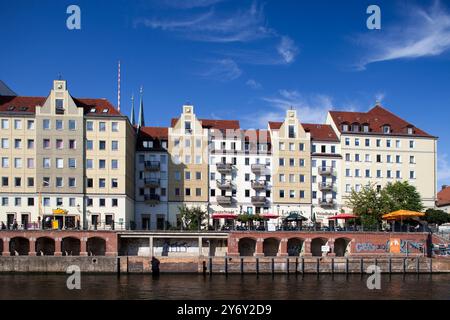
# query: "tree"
{"type": "Point", "coordinates": [403, 196]}
{"type": "Point", "coordinates": [369, 204]}
{"type": "Point", "coordinates": [437, 216]}
{"type": "Point", "coordinates": [192, 218]}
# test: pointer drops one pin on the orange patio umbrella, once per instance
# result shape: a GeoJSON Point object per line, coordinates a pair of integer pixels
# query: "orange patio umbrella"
{"type": "Point", "coordinates": [402, 214]}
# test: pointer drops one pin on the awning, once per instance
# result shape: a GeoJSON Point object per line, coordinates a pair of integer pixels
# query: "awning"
{"type": "Point", "coordinates": [59, 211]}
{"type": "Point", "coordinates": [295, 216]}
{"type": "Point", "coordinates": [224, 216]}
{"type": "Point", "coordinates": [270, 216]}
{"type": "Point", "coordinates": [343, 216]}
{"type": "Point", "coordinates": [402, 214]}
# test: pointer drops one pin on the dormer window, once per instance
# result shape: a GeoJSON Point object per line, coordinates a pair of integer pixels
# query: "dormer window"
{"type": "Point", "coordinates": [105, 110]}
{"type": "Point", "coordinates": [365, 128]}
{"type": "Point", "coordinates": [11, 108]}
{"type": "Point", "coordinates": [93, 110]}
{"type": "Point", "coordinates": [355, 127]}
{"type": "Point", "coordinates": [410, 130]}
{"type": "Point", "coordinates": [386, 129]}
{"type": "Point", "coordinates": [345, 127]}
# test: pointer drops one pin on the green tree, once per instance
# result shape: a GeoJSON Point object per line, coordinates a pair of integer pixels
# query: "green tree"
{"type": "Point", "coordinates": [437, 216]}
{"type": "Point", "coordinates": [403, 196]}
{"type": "Point", "coordinates": [192, 218]}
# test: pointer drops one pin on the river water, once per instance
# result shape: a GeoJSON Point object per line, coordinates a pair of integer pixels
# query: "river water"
{"type": "Point", "coordinates": [194, 287]}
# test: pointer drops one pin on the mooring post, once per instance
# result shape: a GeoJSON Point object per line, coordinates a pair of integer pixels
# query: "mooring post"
{"type": "Point", "coordinates": [273, 265]}
{"type": "Point", "coordinates": [118, 266]}
{"type": "Point", "coordinates": [287, 265]}
{"type": "Point", "coordinates": [376, 262]}
{"type": "Point", "coordinates": [417, 265]}
{"type": "Point", "coordinates": [226, 265]}
{"type": "Point", "coordinates": [332, 265]}
{"type": "Point", "coordinates": [390, 264]}
{"type": "Point", "coordinates": [346, 265]}
{"type": "Point", "coordinates": [210, 265]}
{"type": "Point", "coordinates": [296, 265]}
{"type": "Point", "coordinates": [242, 265]}
{"type": "Point", "coordinates": [431, 265]}
{"type": "Point", "coordinates": [303, 265]}
{"type": "Point", "coordinates": [318, 265]}
{"type": "Point", "coordinates": [404, 265]}
{"type": "Point", "coordinates": [204, 267]}
{"type": "Point", "coordinates": [257, 265]}
{"type": "Point", "coordinates": [362, 265]}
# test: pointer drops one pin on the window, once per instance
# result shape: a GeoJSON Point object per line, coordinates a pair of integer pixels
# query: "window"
{"type": "Point", "coordinates": [198, 159]}
{"type": "Point", "coordinates": [367, 143]}
{"type": "Point", "coordinates": [101, 183]}
{"type": "Point", "coordinates": [72, 163]}
{"type": "Point", "coordinates": [398, 144]}
{"type": "Point", "coordinates": [89, 202]}
{"type": "Point", "coordinates": [292, 194]}
{"type": "Point", "coordinates": [17, 181]}
{"type": "Point", "coordinates": [72, 144]}
{"type": "Point", "coordinates": [388, 143]}
{"type": "Point", "coordinates": [367, 173]}
{"type": "Point", "coordinates": [347, 173]}
{"type": "Point", "coordinates": [187, 175]}
{"type": "Point", "coordinates": [5, 124]}
{"type": "Point", "coordinates": [187, 127]}
{"type": "Point", "coordinates": [5, 201]}
{"type": "Point", "coordinates": [301, 146]}
{"type": "Point", "coordinates": [198, 175]}
{"type": "Point", "coordinates": [59, 124]}
{"type": "Point", "coordinates": [114, 164]}
{"type": "Point", "coordinates": [368, 158]}
{"type": "Point", "coordinates": [198, 192]}
{"type": "Point", "coordinates": [333, 149]}
{"type": "Point", "coordinates": [59, 163]}
{"type": "Point", "coordinates": [345, 127]}
{"type": "Point", "coordinates": [281, 162]}
{"type": "Point", "coordinates": [30, 182]}
{"type": "Point", "coordinates": [378, 158]}
{"type": "Point", "coordinates": [114, 145]}
{"type": "Point", "coordinates": [46, 144]}
{"type": "Point", "coordinates": [30, 163]}
{"type": "Point", "coordinates": [302, 194]}
{"type": "Point", "coordinates": [46, 124]}
{"type": "Point", "coordinates": [72, 182]}
{"type": "Point", "coordinates": [292, 178]}
{"type": "Point", "coordinates": [357, 142]}
{"type": "Point", "coordinates": [114, 126]}
{"type": "Point", "coordinates": [389, 174]}
{"type": "Point", "coordinates": [358, 188]}
{"type": "Point", "coordinates": [102, 145]}
{"type": "Point", "coordinates": [411, 144]}
{"type": "Point", "coordinates": [398, 174]}
{"type": "Point", "coordinates": [398, 159]}
{"type": "Point", "coordinates": [5, 162]}
{"type": "Point", "coordinates": [291, 131]}
{"type": "Point", "coordinates": [30, 202]}
{"type": "Point", "coordinates": [46, 182]}
{"type": "Point", "coordinates": [366, 128]}
{"type": "Point", "coordinates": [114, 202]}
{"type": "Point", "coordinates": [89, 145]}
{"type": "Point", "coordinates": [282, 178]}
{"type": "Point", "coordinates": [323, 149]}
{"type": "Point", "coordinates": [72, 202]}
{"type": "Point", "coordinates": [281, 193]}
{"type": "Point", "coordinates": [357, 173]}
{"type": "Point", "coordinates": [348, 188]}
{"type": "Point", "coordinates": [389, 158]}
{"type": "Point", "coordinates": [291, 146]}
{"type": "Point", "coordinates": [187, 192]}
{"type": "Point", "coordinates": [187, 159]}
{"type": "Point", "coordinates": [247, 193]}
{"type": "Point", "coordinates": [90, 183]}
{"type": "Point", "coordinates": [177, 175]}
{"type": "Point", "coordinates": [386, 129]}
{"type": "Point", "coordinates": [89, 126]}
{"type": "Point", "coordinates": [72, 125]}
{"type": "Point", "coordinates": [59, 144]}
{"type": "Point", "coordinates": [187, 143]}
{"type": "Point", "coordinates": [378, 143]}
{"type": "Point", "coordinates": [355, 127]}
{"type": "Point", "coordinates": [17, 163]}
{"type": "Point", "coordinates": [59, 182]}
{"type": "Point", "coordinates": [89, 163]}
{"type": "Point", "coordinates": [412, 174]}
{"type": "Point", "coordinates": [114, 183]}
{"type": "Point", "coordinates": [30, 124]}
{"type": "Point", "coordinates": [410, 130]}
{"type": "Point", "coordinates": [59, 104]}
{"type": "Point", "coordinates": [102, 164]}
{"type": "Point", "coordinates": [247, 161]}
{"type": "Point", "coordinates": [30, 144]}
{"type": "Point", "coordinates": [102, 126]}
{"type": "Point", "coordinates": [5, 143]}
{"type": "Point", "coordinates": [301, 162]}
{"type": "Point", "coordinates": [357, 159]}
{"type": "Point", "coordinates": [301, 178]}
{"type": "Point", "coordinates": [412, 159]}
{"type": "Point", "coordinates": [347, 141]}
{"type": "Point", "coordinates": [291, 162]}
{"type": "Point", "coordinates": [17, 124]}
{"type": "Point", "coordinates": [46, 163]}
{"type": "Point", "coordinates": [17, 143]}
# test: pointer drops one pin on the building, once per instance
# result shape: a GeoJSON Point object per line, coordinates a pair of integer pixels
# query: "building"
{"type": "Point", "coordinates": [65, 159]}
{"type": "Point", "coordinates": [443, 199]}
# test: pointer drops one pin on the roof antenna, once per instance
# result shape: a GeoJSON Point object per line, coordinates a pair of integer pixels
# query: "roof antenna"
{"type": "Point", "coordinates": [118, 89]}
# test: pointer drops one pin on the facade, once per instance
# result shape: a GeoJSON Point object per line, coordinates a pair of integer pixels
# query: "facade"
{"type": "Point", "coordinates": [443, 199]}
{"type": "Point", "coordinates": [81, 162]}
{"type": "Point", "coordinates": [66, 159]}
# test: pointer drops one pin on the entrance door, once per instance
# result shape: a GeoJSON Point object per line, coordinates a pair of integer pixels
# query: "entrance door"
{"type": "Point", "coordinates": [24, 220]}
{"type": "Point", "coordinates": [94, 221]}
{"type": "Point", "coordinates": [146, 223]}
{"type": "Point", "coordinates": [160, 223]}
{"type": "Point", "coordinates": [60, 220]}
{"type": "Point", "coordinates": [9, 220]}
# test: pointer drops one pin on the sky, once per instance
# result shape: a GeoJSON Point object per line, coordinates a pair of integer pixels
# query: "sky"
{"type": "Point", "coordinates": [248, 60]}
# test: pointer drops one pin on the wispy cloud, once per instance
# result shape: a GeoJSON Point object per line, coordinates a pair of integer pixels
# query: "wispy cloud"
{"type": "Point", "coordinates": [222, 70]}
{"type": "Point", "coordinates": [252, 83]}
{"type": "Point", "coordinates": [242, 26]}
{"type": "Point", "coordinates": [443, 168]}
{"type": "Point", "coordinates": [189, 4]}
{"type": "Point", "coordinates": [424, 33]}
{"type": "Point", "coordinates": [379, 96]}
{"type": "Point", "coordinates": [310, 108]}
{"type": "Point", "coordinates": [287, 49]}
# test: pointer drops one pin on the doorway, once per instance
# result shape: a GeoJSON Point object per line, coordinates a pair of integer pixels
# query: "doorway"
{"type": "Point", "coordinates": [145, 222]}
{"type": "Point", "coordinates": [10, 220]}
{"type": "Point", "coordinates": [24, 220]}
{"type": "Point", "coordinates": [160, 222]}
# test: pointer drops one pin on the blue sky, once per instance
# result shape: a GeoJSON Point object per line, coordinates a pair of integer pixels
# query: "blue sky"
{"type": "Point", "coordinates": [246, 60]}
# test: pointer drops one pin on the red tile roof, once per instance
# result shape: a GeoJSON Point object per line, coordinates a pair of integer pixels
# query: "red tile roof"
{"type": "Point", "coordinates": [161, 133]}
{"type": "Point", "coordinates": [321, 132]}
{"type": "Point", "coordinates": [443, 197]}
{"type": "Point", "coordinates": [261, 135]}
{"type": "Point", "coordinates": [214, 124]}
{"type": "Point", "coordinates": [28, 105]}
{"type": "Point", "coordinates": [376, 118]}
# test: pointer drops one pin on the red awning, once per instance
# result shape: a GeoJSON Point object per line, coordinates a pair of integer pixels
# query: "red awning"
{"type": "Point", "coordinates": [270, 216]}
{"type": "Point", "coordinates": [343, 216]}
{"type": "Point", "coordinates": [224, 216]}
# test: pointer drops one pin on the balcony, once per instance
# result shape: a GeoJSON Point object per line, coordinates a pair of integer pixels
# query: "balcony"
{"type": "Point", "coordinates": [259, 200]}
{"type": "Point", "coordinates": [151, 165]}
{"type": "Point", "coordinates": [152, 198]}
{"type": "Point", "coordinates": [327, 171]}
{"type": "Point", "coordinates": [327, 203]}
{"type": "Point", "coordinates": [225, 184]}
{"type": "Point", "coordinates": [224, 199]}
{"type": "Point", "coordinates": [326, 186]}
{"type": "Point", "coordinates": [259, 185]}
{"type": "Point", "coordinates": [260, 169]}
{"type": "Point", "coordinates": [224, 168]}
{"type": "Point", "coordinates": [151, 182]}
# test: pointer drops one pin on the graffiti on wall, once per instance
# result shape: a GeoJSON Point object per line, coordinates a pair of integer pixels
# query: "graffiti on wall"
{"type": "Point", "coordinates": [406, 246]}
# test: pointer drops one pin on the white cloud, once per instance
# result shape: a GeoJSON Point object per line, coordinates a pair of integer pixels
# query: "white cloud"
{"type": "Point", "coordinates": [425, 33]}
{"type": "Point", "coordinates": [242, 26]}
{"type": "Point", "coordinates": [379, 96]}
{"type": "Point", "coordinates": [222, 70]}
{"type": "Point", "coordinates": [312, 108]}
{"type": "Point", "coordinates": [253, 84]}
{"type": "Point", "coordinates": [443, 168]}
{"type": "Point", "coordinates": [287, 49]}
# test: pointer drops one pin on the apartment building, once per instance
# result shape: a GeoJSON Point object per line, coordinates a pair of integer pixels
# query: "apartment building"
{"type": "Point", "coordinates": [379, 147]}
{"type": "Point", "coordinates": [65, 159]}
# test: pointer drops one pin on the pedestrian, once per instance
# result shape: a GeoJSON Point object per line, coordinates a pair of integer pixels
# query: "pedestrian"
{"type": "Point", "coordinates": [15, 225]}
{"type": "Point", "coordinates": [155, 266]}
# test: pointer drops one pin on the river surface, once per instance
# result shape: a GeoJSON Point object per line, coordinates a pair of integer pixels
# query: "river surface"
{"type": "Point", "coordinates": [194, 287]}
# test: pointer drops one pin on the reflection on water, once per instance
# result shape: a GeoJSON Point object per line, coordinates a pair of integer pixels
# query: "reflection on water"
{"type": "Point", "coordinates": [183, 286]}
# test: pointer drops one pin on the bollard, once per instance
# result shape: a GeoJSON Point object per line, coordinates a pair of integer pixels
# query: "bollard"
{"type": "Point", "coordinates": [362, 265]}
{"type": "Point", "coordinates": [404, 265]}
{"type": "Point", "coordinates": [376, 262]}
{"type": "Point", "coordinates": [118, 266]}
{"type": "Point", "coordinates": [226, 265]}
{"type": "Point", "coordinates": [417, 265]}
{"type": "Point", "coordinates": [318, 265]}
{"type": "Point", "coordinates": [242, 265]}
{"type": "Point", "coordinates": [210, 265]}
{"type": "Point", "coordinates": [296, 265]}
{"type": "Point", "coordinates": [390, 264]}
{"type": "Point", "coordinates": [273, 265]}
{"type": "Point", "coordinates": [287, 265]}
{"type": "Point", "coordinates": [257, 265]}
{"type": "Point", "coordinates": [346, 265]}
{"type": "Point", "coordinates": [204, 267]}
{"type": "Point", "coordinates": [332, 265]}
{"type": "Point", "coordinates": [431, 265]}
{"type": "Point", "coordinates": [303, 265]}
